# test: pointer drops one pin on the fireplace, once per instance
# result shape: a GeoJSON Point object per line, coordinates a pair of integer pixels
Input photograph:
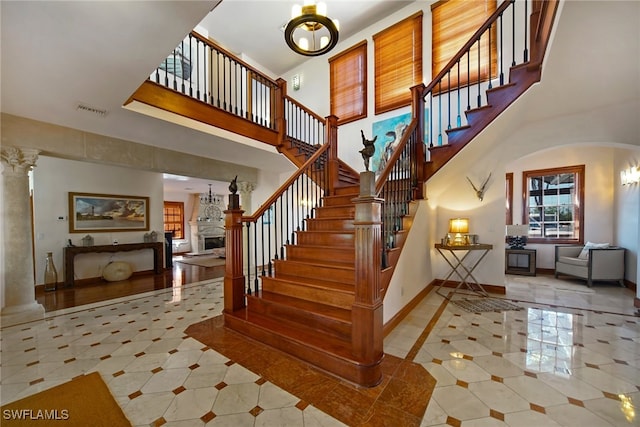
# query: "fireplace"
{"type": "Point", "coordinates": [213, 242]}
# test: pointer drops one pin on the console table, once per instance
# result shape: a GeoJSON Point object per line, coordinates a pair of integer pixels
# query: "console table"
{"type": "Point", "coordinates": [463, 267]}
{"type": "Point", "coordinates": [70, 253]}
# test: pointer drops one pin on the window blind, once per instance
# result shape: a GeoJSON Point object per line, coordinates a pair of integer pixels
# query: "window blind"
{"type": "Point", "coordinates": [348, 83]}
{"type": "Point", "coordinates": [398, 63]}
{"type": "Point", "coordinates": [453, 24]}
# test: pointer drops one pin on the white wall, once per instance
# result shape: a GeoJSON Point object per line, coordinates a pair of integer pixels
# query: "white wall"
{"type": "Point", "coordinates": [54, 178]}
{"type": "Point", "coordinates": [627, 213]}
{"type": "Point", "coordinates": [599, 211]}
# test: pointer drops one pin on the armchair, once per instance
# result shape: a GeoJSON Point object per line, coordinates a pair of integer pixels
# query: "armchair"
{"type": "Point", "coordinates": [605, 264]}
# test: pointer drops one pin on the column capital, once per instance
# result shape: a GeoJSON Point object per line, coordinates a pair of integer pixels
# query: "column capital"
{"type": "Point", "coordinates": [246, 187]}
{"type": "Point", "coordinates": [18, 161]}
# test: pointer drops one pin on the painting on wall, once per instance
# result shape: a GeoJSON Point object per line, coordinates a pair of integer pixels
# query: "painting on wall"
{"type": "Point", "coordinates": [107, 213]}
{"type": "Point", "coordinates": [388, 134]}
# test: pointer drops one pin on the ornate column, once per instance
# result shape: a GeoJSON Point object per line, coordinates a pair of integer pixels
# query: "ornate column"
{"type": "Point", "coordinates": [245, 189]}
{"type": "Point", "coordinates": [19, 302]}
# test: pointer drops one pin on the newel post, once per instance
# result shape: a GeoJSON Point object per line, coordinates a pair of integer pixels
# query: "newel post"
{"type": "Point", "coordinates": [367, 339]}
{"type": "Point", "coordinates": [418, 112]}
{"type": "Point", "coordinates": [331, 138]}
{"type": "Point", "coordinates": [279, 100]}
{"type": "Point", "coordinates": [233, 277]}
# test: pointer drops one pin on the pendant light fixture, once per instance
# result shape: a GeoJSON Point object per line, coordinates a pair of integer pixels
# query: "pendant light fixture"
{"type": "Point", "coordinates": [311, 32]}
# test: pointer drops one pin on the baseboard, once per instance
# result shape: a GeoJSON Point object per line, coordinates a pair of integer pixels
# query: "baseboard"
{"type": "Point", "coordinates": [404, 312]}
{"type": "Point", "coordinates": [492, 289]}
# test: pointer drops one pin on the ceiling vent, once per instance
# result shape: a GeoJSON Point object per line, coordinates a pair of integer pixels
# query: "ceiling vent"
{"type": "Point", "coordinates": [89, 109]}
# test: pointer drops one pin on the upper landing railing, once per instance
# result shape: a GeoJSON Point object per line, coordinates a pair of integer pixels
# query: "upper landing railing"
{"type": "Point", "coordinates": [516, 34]}
{"type": "Point", "coordinates": [200, 69]}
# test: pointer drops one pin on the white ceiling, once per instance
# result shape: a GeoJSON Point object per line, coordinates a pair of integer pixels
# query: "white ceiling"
{"type": "Point", "coordinates": [56, 54]}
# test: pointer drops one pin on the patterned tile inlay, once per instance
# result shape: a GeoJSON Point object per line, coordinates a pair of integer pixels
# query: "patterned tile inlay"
{"type": "Point", "coordinates": [567, 358]}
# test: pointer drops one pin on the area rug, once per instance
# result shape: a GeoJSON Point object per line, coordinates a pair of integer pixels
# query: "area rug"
{"type": "Point", "coordinates": [83, 401]}
{"type": "Point", "coordinates": [203, 261]}
{"type": "Point", "coordinates": [485, 304]}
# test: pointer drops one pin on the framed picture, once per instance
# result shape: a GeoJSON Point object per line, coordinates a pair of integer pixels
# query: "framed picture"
{"type": "Point", "coordinates": [106, 213]}
{"type": "Point", "coordinates": [388, 133]}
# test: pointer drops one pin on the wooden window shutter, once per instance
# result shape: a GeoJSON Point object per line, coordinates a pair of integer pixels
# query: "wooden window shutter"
{"type": "Point", "coordinates": [453, 24]}
{"type": "Point", "coordinates": [398, 63]}
{"type": "Point", "coordinates": [348, 83]}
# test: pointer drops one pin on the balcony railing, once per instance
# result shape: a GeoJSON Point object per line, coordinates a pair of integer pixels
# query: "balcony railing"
{"type": "Point", "coordinates": [204, 71]}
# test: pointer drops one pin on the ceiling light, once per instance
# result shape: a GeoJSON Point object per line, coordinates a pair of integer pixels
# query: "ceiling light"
{"type": "Point", "coordinates": [311, 20]}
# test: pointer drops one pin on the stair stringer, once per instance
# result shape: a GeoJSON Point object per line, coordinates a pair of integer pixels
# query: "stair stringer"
{"type": "Point", "coordinates": [521, 78]}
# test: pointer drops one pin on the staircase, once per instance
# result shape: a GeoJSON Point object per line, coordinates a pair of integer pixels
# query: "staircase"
{"type": "Point", "coordinates": [315, 291]}
{"type": "Point", "coordinates": [304, 308]}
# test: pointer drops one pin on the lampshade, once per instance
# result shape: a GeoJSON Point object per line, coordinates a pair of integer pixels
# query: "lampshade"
{"type": "Point", "coordinates": [311, 20]}
{"type": "Point", "coordinates": [459, 225]}
{"type": "Point", "coordinates": [517, 230]}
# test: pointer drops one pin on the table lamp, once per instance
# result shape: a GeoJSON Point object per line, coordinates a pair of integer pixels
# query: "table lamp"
{"type": "Point", "coordinates": [459, 227]}
{"type": "Point", "coordinates": [517, 236]}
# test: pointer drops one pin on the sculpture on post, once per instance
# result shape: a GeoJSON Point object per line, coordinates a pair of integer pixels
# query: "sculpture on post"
{"type": "Point", "coordinates": [233, 186]}
{"type": "Point", "coordinates": [368, 150]}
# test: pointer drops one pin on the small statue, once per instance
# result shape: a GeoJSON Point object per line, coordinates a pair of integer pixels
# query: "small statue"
{"type": "Point", "coordinates": [368, 150]}
{"type": "Point", "coordinates": [233, 186]}
{"type": "Point", "coordinates": [483, 187]}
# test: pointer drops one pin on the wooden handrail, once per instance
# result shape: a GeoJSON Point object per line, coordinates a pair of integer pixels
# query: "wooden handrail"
{"type": "Point", "coordinates": [463, 50]}
{"type": "Point", "coordinates": [263, 208]}
{"type": "Point", "coordinates": [307, 110]}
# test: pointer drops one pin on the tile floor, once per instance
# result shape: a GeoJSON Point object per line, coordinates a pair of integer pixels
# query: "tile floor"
{"type": "Point", "coordinates": [570, 357]}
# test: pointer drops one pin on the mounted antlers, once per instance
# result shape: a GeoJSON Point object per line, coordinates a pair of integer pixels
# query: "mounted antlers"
{"type": "Point", "coordinates": [480, 192]}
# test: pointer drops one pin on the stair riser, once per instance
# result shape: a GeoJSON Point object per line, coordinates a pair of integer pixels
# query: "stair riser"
{"type": "Point", "coordinates": [325, 239]}
{"type": "Point", "coordinates": [329, 224]}
{"type": "Point", "coordinates": [352, 189]}
{"type": "Point", "coordinates": [336, 212]}
{"type": "Point", "coordinates": [366, 376]}
{"type": "Point", "coordinates": [322, 296]}
{"type": "Point", "coordinates": [338, 200]}
{"type": "Point", "coordinates": [292, 315]}
{"type": "Point", "coordinates": [315, 271]}
{"type": "Point", "coordinates": [310, 253]}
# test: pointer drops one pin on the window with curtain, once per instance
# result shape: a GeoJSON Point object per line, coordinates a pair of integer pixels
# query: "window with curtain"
{"type": "Point", "coordinates": [174, 219]}
{"type": "Point", "coordinates": [398, 63]}
{"type": "Point", "coordinates": [348, 83]}
{"type": "Point", "coordinates": [453, 24]}
{"type": "Point", "coordinates": [553, 205]}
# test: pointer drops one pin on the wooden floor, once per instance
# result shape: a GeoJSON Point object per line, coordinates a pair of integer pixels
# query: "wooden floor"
{"type": "Point", "coordinates": [88, 293]}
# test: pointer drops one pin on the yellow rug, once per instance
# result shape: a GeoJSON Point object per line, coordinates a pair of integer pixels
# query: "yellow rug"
{"type": "Point", "coordinates": [83, 401]}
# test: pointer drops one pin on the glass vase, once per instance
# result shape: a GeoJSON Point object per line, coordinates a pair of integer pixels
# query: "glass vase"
{"type": "Point", "coordinates": [50, 273]}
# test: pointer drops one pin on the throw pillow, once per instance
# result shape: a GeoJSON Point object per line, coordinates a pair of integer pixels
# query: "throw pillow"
{"type": "Point", "coordinates": [584, 254]}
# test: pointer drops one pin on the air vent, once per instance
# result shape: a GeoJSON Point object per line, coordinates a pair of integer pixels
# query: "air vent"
{"type": "Point", "coordinates": [89, 109]}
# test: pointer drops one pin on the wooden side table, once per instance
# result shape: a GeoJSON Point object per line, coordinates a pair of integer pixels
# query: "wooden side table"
{"type": "Point", "coordinates": [463, 267]}
{"type": "Point", "coordinates": [520, 261]}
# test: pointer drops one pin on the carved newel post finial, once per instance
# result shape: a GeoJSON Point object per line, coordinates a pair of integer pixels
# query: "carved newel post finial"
{"type": "Point", "coordinates": [233, 186]}
{"type": "Point", "coordinates": [368, 150]}
{"type": "Point", "coordinates": [234, 199]}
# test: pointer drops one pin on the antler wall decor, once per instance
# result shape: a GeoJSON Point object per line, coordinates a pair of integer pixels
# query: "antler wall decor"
{"type": "Point", "coordinates": [483, 187]}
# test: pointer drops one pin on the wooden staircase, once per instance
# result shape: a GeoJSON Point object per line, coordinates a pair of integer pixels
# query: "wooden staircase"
{"type": "Point", "coordinates": [323, 301]}
{"type": "Point", "coordinates": [305, 307]}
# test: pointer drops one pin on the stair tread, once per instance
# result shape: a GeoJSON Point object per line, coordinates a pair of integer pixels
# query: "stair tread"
{"type": "Point", "coordinates": [318, 263]}
{"type": "Point", "coordinates": [347, 288]}
{"type": "Point", "coordinates": [301, 334]}
{"type": "Point", "coordinates": [308, 245]}
{"type": "Point", "coordinates": [330, 311]}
